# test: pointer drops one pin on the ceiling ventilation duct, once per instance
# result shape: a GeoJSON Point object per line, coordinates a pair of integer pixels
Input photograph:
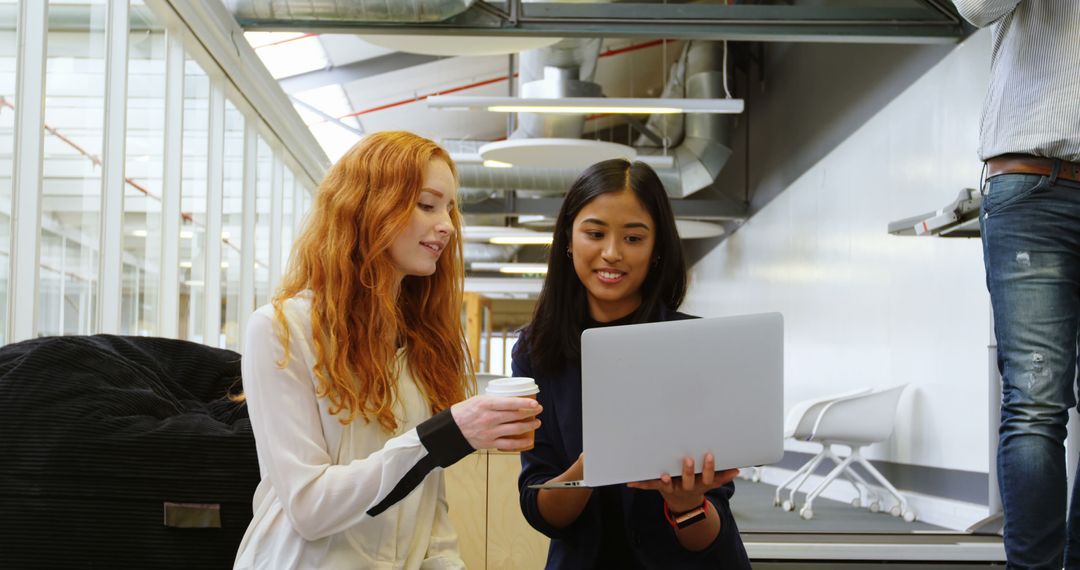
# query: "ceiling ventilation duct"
{"type": "Point", "coordinates": [412, 11]}
{"type": "Point", "coordinates": [701, 140]}
{"type": "Point", "coordinates": [479, 187]}
{"type": "Point", "coordinates": [565, 69]}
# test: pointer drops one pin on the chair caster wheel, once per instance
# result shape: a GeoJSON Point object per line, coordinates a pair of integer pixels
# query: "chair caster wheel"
{"type": "Point", "coordinates": [788, 506]}
{"type": "Point", "coordinates": [909, 516]}
{"type": "Point", "coordinates": [875, 507]}
{"type": "Point", "coordinates": [776, 501]}
{"type": "Point", "coordinates": [895, 511]}
{"type": "Point", "coordinates": [806, 514]}
{"type": "Point", "coordinates": [856, 502]}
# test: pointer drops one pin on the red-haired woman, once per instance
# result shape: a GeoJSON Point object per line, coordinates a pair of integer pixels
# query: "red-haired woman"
{"type": "Point", "coordinates": [356, 372]}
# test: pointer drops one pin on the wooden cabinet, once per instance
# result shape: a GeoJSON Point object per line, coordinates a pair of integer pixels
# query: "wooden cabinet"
{"type": "Point", "coordinates": [476, 319]}
{"type": "Point", "coordinates": [466, 495]}
{"type": "Point", "coordinates": [483, 500]}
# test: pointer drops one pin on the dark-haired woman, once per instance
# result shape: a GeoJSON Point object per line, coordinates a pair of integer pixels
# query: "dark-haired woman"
{"type": "Point", "coordinates": [615, 259]}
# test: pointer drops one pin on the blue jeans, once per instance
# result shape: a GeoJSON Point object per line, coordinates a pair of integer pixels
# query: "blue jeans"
{"type": "Point", "coordinates": [1031, 249]}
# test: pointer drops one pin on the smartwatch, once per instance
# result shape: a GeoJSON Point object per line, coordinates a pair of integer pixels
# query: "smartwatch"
{"type": "Point", "coordinates": [687, 518]}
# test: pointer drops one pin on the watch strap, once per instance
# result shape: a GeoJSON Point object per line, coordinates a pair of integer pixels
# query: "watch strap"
{"type": "Point", "coordinates": [687, 518]}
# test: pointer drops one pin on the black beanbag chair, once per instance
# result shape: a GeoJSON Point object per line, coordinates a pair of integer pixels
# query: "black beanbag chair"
{"type": "Point", "coordinates": [122, 452]}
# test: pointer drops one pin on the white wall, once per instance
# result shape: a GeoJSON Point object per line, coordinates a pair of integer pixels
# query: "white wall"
{"type": "Point", "coordinates": [862, 307]}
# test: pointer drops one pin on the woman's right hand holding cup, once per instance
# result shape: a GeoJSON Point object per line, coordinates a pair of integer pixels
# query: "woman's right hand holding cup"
{"type": "Point", "coordinates": [497, 422]}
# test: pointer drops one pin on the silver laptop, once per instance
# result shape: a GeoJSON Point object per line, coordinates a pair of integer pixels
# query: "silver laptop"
{"type": "Point", "coordinates": [657, 392]}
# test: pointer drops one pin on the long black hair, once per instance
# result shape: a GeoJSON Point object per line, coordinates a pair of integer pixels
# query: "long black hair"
{"type": "Point", "coordinates": [554, 336]}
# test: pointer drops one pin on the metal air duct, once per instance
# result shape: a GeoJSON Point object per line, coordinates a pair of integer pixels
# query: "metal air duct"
{"type": "Point", "coordinates": [704, 148]}
{"type": "Point", "coordinates": [701, 140]}
{"type": "Point", "coordinates": [564, 69]}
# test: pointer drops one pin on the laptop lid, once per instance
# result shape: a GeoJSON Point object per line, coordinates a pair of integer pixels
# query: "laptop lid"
{"type": "Point", "coordinates": [657, 392]}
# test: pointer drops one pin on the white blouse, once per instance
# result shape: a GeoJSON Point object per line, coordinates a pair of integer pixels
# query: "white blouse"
{"type": "Point", "coordinates": [341, 496]}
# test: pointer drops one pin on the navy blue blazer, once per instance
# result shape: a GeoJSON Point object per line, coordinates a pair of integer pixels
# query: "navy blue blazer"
{"type": "Point", "coordinates": [558, 445]}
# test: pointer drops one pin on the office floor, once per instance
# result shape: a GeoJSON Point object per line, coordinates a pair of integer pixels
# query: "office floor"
{"type": "Point", "coordinates": [754, 512]}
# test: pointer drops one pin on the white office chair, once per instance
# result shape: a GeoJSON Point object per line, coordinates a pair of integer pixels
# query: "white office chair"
{"type": "Point", "coordinates": [751, 473]}
{"type": "Point", "coordinates": [799, 425]}
{"type": "Point", "coordinates": [857, 421]}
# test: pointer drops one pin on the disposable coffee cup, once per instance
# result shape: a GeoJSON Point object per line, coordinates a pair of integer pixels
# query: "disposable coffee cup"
{"type": "Point", "coordinates": [516, 387]}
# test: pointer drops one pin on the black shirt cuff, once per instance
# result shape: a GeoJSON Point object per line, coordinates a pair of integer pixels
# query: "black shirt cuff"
{"type": "Point", "coordinates": [442, 438]}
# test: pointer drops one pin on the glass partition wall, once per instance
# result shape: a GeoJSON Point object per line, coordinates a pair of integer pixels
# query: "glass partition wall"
{"type": "Point", "coordinates": [166, 205]}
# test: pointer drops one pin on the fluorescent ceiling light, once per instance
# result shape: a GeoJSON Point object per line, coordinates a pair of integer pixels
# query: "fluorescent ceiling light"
{"type": "Point", "coordinates": [585, 105]}
{"type": "Point", "coordinates": [584, 110]}
{"type": "Point", "coordinates": [522, 240]}
{"type": "Point", "coordinates": [505, 235]}
{"type": "Point", "coordinates": [528, 287]}
{"type": "Point", "coordinates": [511, 268]}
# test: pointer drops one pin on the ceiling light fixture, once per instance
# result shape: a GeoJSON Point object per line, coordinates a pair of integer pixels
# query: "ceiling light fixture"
{"type": "Point", "coordinates": [585, 105]}
{"type": "Point", "coordinates": [510, 268]}
{"type": "Point", "coordinates": [503, 235]}
{"type": "Point", "coordinates": [554, 152]}
{"type": "Point", "coordinates": [522, 240]}
{"type": "Point", "coordinates": [497, 164]}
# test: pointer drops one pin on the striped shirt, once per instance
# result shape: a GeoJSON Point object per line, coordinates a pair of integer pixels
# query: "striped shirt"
{"type": "Point", "coordinates": [1033, 104]}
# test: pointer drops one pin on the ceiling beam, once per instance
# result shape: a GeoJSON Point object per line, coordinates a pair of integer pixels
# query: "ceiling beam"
{"type": "Point", "coordinates": [711, 210]}
{"type": "Point", "coordinates": [354, 71]}
{"type": "Point", "coordinates": [327, 117]}
{"type": "Point", "coordinates": [924, 22]}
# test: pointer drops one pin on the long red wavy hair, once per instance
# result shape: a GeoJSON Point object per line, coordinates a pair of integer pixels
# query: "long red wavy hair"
{"type": "Point", "coordinates": [359, 318]}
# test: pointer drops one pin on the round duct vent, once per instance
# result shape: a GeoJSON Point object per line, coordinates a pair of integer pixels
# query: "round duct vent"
{"type": "Point", "coordinates": [554, 153]}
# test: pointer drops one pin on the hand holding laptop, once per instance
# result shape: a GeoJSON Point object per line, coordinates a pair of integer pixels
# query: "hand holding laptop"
{"type": "Point", "coordinates": [687, 491]}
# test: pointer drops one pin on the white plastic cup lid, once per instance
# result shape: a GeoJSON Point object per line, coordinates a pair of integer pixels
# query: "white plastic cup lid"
{"type": "Point", "coordinates": [516, 386]}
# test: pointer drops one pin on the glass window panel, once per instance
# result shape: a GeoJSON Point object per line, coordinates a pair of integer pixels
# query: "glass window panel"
{"type": "Point", "coordinates": [144, 168]}
{"type": "Point", "coordinates": [8, 45]}
{"type": "Point", "coordinates": [71, 185]}
{"type": "Point", "coordinates": [305, 193]}
{"type": "Point", "coordinates": [263, 189]}
{"type": "Point", "coordinates": [232, 216]}
{"type": "Point", "coordinates": [193, 237]}
{"type": "Point", "coordinates": [288, 223]}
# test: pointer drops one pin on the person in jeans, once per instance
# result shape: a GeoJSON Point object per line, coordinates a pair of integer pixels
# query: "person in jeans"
{"type": "Point", "coordinates": [1030, 142]}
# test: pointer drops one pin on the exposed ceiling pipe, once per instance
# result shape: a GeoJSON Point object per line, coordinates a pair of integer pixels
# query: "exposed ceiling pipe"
{"type": "Point", "coordinates": [564, 69]}
{"type": "Point", "coordinates": [701, 141]}
{"type": "Point", "coordinates": [704, 147]}
{"type": "Point", "coordinates": [411, 11]}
